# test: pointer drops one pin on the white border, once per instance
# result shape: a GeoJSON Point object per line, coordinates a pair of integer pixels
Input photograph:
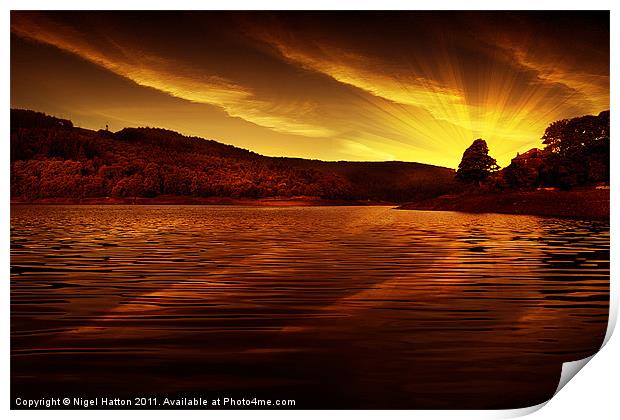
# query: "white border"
{"type": "Point", "coordinates": [593, 394]}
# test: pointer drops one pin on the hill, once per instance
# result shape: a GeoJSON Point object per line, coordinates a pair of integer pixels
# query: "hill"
{"type": "Point", "coordinates": [53, 159]}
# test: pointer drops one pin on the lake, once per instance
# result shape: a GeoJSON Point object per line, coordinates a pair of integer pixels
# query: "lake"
{"type": "Point", "coordinates": [335, 307]}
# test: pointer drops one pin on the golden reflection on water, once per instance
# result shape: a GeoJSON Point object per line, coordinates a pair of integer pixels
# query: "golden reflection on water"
{"type": "Point", "coordinates": [347, 307]}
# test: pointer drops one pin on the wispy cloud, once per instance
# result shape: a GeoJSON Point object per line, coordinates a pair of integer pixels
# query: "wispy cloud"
{"type": "Point", "coordinates": [375, 77]}
{"type": "Point", "coordinates": [590, 90]}
{"type": "Point", "coordinates": [176, 79]}
{"type": "Point", "coordinates": [407, 86]}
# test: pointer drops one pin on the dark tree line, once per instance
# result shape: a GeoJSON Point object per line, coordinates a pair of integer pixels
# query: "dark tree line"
{"type": "Point", "coordinates": [576, 153]}
{"type": "Point", "coordinates": [51, 158]}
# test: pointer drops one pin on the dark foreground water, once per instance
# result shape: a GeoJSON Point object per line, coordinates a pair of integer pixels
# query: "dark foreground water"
{"type": "Point", "coordinates": [335, 307]}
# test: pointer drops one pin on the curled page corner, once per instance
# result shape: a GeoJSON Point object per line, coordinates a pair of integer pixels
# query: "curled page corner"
{"type": "Point", "coordinates": [569, 370]}
{"type": "Point", "coordinates": [521, 412]}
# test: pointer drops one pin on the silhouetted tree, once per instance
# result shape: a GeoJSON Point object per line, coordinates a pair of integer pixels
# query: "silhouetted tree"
{"type": "Point", "coordinates": [520, 175]}
{"type": "Point", "coordinates": [476, 164]}
{"type": "Point", "coordinates": [578, 151]}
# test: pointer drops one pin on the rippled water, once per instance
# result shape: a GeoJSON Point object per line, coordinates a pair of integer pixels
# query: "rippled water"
{"type": "Point", "coordinates": [345, 307]}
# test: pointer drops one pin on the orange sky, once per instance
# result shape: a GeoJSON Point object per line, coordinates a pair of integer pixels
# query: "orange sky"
{"type": "Point", "coordinates": [411, 86]}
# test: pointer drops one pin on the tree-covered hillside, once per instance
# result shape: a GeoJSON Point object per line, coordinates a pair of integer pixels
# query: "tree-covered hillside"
{"type": "Point", "coordinates": [50, 158]}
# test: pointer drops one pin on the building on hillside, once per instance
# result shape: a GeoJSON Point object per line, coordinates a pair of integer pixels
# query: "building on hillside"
{"type": "Point", "coordinates": [533, 157]}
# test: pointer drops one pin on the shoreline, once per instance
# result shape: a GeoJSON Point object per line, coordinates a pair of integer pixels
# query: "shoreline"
{"type": "Point", "coordinates": [587, 203]}
{"type": "Point", "coordinates": [301, 201]}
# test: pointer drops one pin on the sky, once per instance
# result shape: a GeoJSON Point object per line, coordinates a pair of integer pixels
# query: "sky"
{"type": "Point", "coordinates": [365, 86]}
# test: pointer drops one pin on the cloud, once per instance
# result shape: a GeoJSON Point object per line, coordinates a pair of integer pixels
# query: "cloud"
{"type": "Point", "coordinates": [174, 78]}
{"type": "Point", "coordinates": [362, 151]}
{"type": "Point", "coordinates": [590, 89]}
{"type": "Point", "coordinates": [380, 79]}
{"type": "Point", "coordinates": [372, 86]}
{"type": "Point", "coordinates": [465, 78]}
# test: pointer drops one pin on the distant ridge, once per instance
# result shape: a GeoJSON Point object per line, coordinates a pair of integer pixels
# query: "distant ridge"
{"type": "Point", "coordinates": [50, 158]}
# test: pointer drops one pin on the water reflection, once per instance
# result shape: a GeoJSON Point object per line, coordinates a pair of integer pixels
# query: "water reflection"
{"type": "Point", "coordinates": [335, 307]}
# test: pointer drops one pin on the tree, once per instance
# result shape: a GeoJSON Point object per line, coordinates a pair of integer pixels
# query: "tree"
{"type": "Point", "coordinates": [476, 164]}
{"type": "Point", "coordinates": [572, 137]}
{"type": "Point", "coordinates": [520, 175]}
{"type": "Point", "coordinates": [578, 151]}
